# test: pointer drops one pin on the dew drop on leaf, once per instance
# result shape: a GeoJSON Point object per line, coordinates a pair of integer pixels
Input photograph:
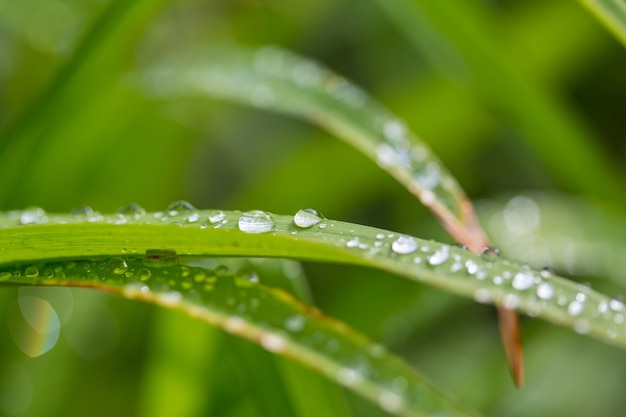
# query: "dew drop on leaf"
{"type": "Point", "coordinates": [5, 275]}
{"type": "Point", "coordinates": [545, 291]}
{"type": "Point", "coordinates": [404, 245]}
{"type": "Point", "coordinates": [143, 274]}
{"type": "Point", "coordinates": [255, 221]}
{"type": "Point", "coordinates": [273, 342]}
{"type": "Point", "coordinates": [117, 265]}
{"type": "Point", "coordinates": [575, 308]}
{"type": "Point", "coordinates": [440, 256]}
{"type": "Point", "coordinates": [216, 216]}
{"type": "Point", "coordinates": [306, 218]}
{"type": "Point", "coordinates": [31, 272]}
{"type": "Point", "coordinates": [132, 209]}
{"type": "Point", "coordinates": [523, 280]}
{"type": "Point", "coordinates": [33, 215]}
{"type": "Point", "coordinates": [179, 207]}
{"type": "Point", "coordinates": [429, 177]}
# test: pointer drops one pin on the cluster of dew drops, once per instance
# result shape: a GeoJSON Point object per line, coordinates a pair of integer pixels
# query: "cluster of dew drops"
{"type": "Point", "coordinates": [506, 285]}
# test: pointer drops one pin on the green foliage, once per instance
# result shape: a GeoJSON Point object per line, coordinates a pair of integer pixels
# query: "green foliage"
{"type": "Point", "coordinates": [506, 100]}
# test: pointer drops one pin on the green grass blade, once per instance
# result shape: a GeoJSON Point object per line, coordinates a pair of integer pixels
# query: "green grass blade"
{"type": "Point", "coordinates": [259, 234]}
{"type": "Point", "coordinates": [612, 13]}
{"type": "Point", "coordinates": [567, 233]}
{"type": "Point", "coordinates": [269, 317]}
{"type": "Point", "coordinates": [544, 119]}
{"type": "Point", "coordinates": [277, 80]}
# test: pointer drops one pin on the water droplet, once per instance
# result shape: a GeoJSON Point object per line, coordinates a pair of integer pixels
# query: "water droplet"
{"type": "Point", "coordinates": [132, 209]}
{"type": "Point", "coordinates": [179, 207]}
{"type": "Point", "coordinates": [248, 275]}
{"type": "Point", "coordinates": [31, 272]}
{"type": "Point", "coordinates": [575, 308]}
{"type": "Point", "coordinates": [545, 291]}
{"type": "Point", "coordinates": [523, 280]}
{"type": "Point", "coordinates": [235, 324]}
{"type": "Point", "coordinates": [216, 216]}
{"type": "Point", "coordinates": [546, 272]}
{"type": "Point", "coordinates": [117, 265]}
{"type": "Point", "coordinates": [616, 305]}
{"type": "Point", "coordinates": [390, 402]}
{"type": "Point", "coordinates": [348, 376]}
{"type": "Point", "coordinates": [394, 130]}
{"type": "Point", "coordinates": [388, 156]}
{"type": "Point", "coordinates": [143, 274]}
{"type": "Point", "coordinates": [160, 258]}
{"type": "Point", "coordinates": [404, 245]}
{"type": "Point", "coordinates": [33, 215]}
{"type": "Point", "coordinates": [492, 252]}
{"type": "Point", "coordinates": [440, 256]}
{"type": "Point", "coordinates": [255, 221]}
{"type": "Point", "coordinates": [353, 243]}
{"type": "Point", "coordinates": [295, 323]}
{"type": "Point", "coordinates": [603, 307]}
{"type": "Point", "coordinates": [193, 217]}
{"type": "Point", "coordinates": [471, 267]}
{"type": "Point", "coordinates": [306, 218]}
{"type": "Point", "coordinates": [170, 298]}
{"type": "Point", "coordinates": [273, 342]}
{"type": "Point", "coordinates": [5, 275]}
{"type": "Point", "coordinates": [429, 177]}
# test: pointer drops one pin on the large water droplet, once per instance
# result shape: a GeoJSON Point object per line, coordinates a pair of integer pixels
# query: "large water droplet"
{"type": "Point", "coordinates": [404, 245]}
{"type": "Point", "coordinates": [132, 210]}
{"type": "Point", "coordinates": [117, 265]}
{"type": "Point", "coordinates": [179, 207]}
{"type": "Point", "coordinates": [575, 308]}
{"type": "Point", "coordinates": [523, 280]}
{"type": "Point", "coordinates": [216, 216]}
{"type": "Point", "coordinates": [33, 215]}
{"type": "Point", "coordinates": [306, 218]}
{"type": "Point", "coordinates": [545, 291]}
{"type": "Point", "coordinates": [160, 258]}
{"type": "Point", "coordinates": [440, 256]}
{"type": "Point", "coordinates": [256, 221]}
{"type": "Point", "coordinates": [31, 272]}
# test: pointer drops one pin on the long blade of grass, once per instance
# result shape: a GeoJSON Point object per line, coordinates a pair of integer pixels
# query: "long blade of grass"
{"type": "Point", "coordinates": [474, 52]}
{"type": "Point", "coordinates": [612, 13]}
{"type": "Point", "coordinates": [269, 317]}
{"type": "Point", "coordinates": [259, 234]}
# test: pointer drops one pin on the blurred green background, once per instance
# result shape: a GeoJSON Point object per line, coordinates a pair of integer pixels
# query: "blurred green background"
{"type": "Point", "coordinates": [512, 95]}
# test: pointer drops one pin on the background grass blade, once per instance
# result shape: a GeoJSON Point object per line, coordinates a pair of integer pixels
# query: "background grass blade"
{"type": "Point", "coordinates": [488, 280]}
{"type": "Point", "coordinates": [277, 80]}
{"type": "Point", "coordinates": [572, 235]}
{"type": "Point", "coordinates": [269, 317]}
{"type": "Point", "coordinates": [477, 56]}
{"type": "Point", "coordinates": [612, 13]}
